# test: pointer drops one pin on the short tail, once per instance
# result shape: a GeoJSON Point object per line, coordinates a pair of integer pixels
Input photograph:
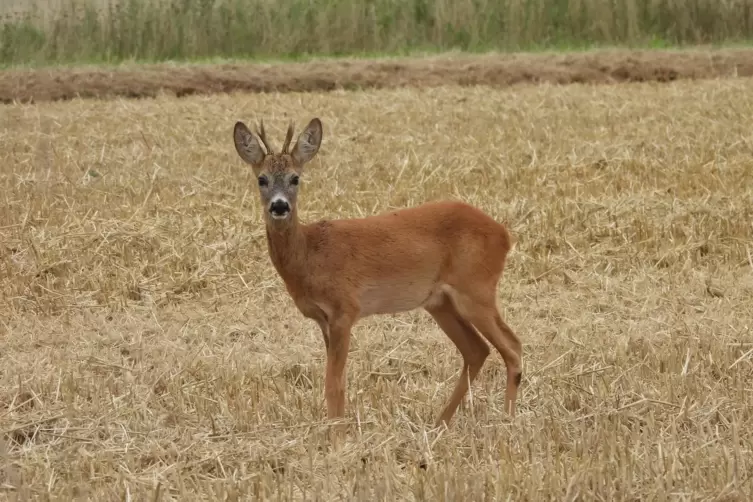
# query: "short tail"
{"type": "Point", "coordinates": [513, 242]}
{"type": "Point", "coordinates": [509, 240]}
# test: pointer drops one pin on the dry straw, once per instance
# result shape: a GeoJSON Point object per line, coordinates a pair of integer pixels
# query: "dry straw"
{"type": "Point", "coordinates": [151, 352]}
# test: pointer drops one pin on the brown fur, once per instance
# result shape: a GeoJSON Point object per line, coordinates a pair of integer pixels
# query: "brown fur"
{"type": "Point", "coordinates": [446, 257]}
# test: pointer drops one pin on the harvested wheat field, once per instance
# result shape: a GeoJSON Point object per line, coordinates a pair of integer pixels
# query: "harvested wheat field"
{"type": "Point", "coordinates": [150, 351]}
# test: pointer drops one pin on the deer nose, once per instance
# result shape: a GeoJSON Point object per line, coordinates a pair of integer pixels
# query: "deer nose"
{"type": "Point", "coordinates": [279, 207]}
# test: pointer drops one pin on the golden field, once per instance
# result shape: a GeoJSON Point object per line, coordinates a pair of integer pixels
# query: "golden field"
{"type": "Point", "coordinates": [150, 352]}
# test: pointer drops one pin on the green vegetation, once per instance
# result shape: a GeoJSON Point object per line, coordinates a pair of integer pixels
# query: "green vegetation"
{"type": "Point", "coordinates": [59, 31]}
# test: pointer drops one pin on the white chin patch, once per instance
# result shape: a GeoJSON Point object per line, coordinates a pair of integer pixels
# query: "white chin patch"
{"type": "Point", "coordinates": [279, 216]}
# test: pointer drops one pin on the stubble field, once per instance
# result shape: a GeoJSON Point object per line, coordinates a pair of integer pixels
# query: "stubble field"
{"type": "Point", "coordinates": [150, 352]}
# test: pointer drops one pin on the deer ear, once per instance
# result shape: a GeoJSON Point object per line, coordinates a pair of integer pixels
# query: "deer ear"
{"type": "Point", "coordinates": [247, 145]}
{"type": "Point", "coordinates": [308, 142]}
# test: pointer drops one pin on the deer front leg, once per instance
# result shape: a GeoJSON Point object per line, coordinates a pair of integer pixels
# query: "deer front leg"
{"type": "Point", "coordinates": [337, 355]}
{"type": "Point", "coordinates": [335, 379]}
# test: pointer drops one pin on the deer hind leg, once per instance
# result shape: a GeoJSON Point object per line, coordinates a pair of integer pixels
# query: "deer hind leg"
{"type": "Point", "coordinates": [471, 346]}
{"type": "Point", "coordinates": [324, 326]}
{"type": "Point", "coordinates": [481, 310]}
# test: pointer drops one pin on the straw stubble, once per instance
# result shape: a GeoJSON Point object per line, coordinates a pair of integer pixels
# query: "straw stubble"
{"type": "Point", "coordinates": [148, 344]}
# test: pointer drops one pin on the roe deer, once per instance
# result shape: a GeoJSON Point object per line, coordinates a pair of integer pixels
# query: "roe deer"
{"type": "Point", "coordinates": [446, 257]}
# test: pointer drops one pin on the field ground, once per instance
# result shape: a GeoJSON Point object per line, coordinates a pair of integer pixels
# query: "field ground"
{"type": "Point", "coordinates": [495, 70]}
{"type": "Point", "coordinates": [151, 352]}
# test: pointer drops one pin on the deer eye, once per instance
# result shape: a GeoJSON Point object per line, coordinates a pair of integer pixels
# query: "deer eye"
{"type": "Point", "coordinates": [263, 181]}
{"type": "Point", "coordinates": [294, 180]}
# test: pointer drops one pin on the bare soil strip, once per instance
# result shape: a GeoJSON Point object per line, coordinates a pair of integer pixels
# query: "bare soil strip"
{"type": "Point", "coordinates": [495, 70]}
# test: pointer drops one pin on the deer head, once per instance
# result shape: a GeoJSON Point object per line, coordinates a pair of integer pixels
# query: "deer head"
{"type": "Point", "coordinates": [278, 173]}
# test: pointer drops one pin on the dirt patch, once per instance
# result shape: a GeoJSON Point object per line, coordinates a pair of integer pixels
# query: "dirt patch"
{"type": "Point", "coordinates": [602, 67]}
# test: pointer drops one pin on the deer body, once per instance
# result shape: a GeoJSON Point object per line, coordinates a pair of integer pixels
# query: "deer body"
{"type": "Point", "coordinates": [446, 257]}
{"type": "Point", "coordinates": [403, 260]}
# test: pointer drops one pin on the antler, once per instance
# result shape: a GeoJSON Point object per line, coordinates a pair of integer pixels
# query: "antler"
{"type": "Point", "coordinates": [288, 137]}
{"type": "Point", "coordinates": [263, 137]}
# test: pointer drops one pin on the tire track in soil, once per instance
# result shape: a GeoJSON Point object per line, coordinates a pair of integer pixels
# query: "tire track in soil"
{"type": "Point", "coordinates": [495, 70]}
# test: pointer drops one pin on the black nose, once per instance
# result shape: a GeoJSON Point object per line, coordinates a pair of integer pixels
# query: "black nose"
{"type": "Point", "coordinates": [279, 207]}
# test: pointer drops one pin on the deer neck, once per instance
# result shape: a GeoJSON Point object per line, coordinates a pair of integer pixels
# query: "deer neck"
{"type": "Point", "coordinates": [287, 248]}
